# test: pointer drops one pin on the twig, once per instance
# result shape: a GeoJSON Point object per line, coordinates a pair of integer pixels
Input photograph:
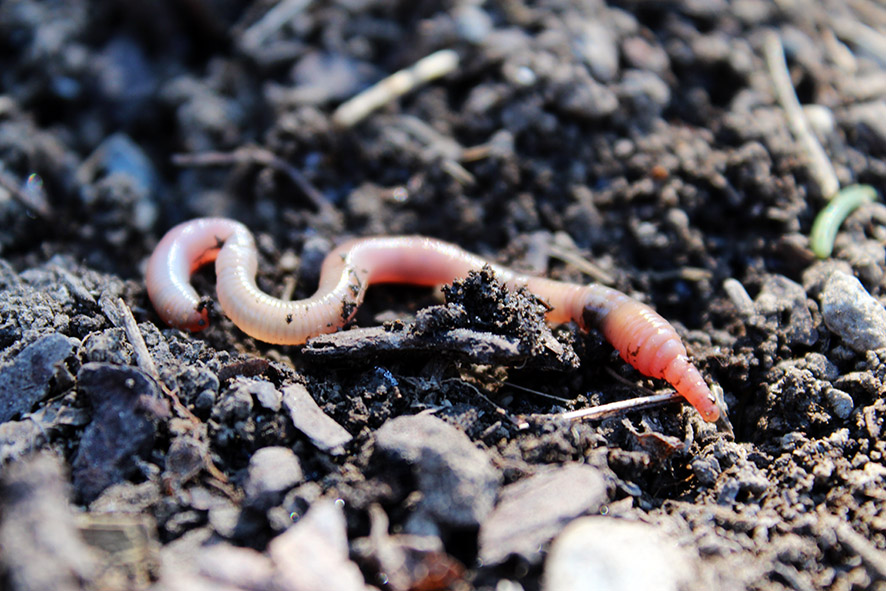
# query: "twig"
{"type": "Point", "coordinates": [537, 393]}
{"type": "Point", "coordinates": [394, 86]}
{"type": "Point", "coordinates": [686, 273]}
{"type": "Point", "coordinates": [873, 558]}
{"type": "Point", "coordinates": [121, 316]}
{"type": "Point", "coordinates": [255, 155]}
{"type": "Point", "coordinates": [581, 263]}
{"type": "Point", "coordinates": [439, 146]}
{"type": "Point", "coordinates": [819, 165]}
{"type": "Point", "coordinates": [604, 411]}
{"type": "Point", "coordinates": [868, 39]}
{"type": "Point", "coordinates": [271, 22]}
{"type": "Point", "coordinates": [32, 198]}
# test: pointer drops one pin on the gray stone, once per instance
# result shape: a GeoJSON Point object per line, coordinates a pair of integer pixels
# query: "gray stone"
{"type": "Point", "coordinates": [841, 402]}
{"type": "Point", "coordinates": [261, 391]}
{"type": "Point", "coordinates": [456, 479]}
{"type": "Point", "coordinates": [240, 568]}
{"type": "Point", "coordinates": [851, 313]}
{"type": "Point", "coordinates": [26, 380]}
{"type": "Point", "coordinates": [127, 405]}
{"type": "Point", "coordinates": [784, 301]}
{"type": "Point", "coordinates": [649, 93]}
{"type": "Point", "coordinates": [235, 403]}
{"type": "Point", "coordinates": [185, 458]}
{"type": "Point", "coordinates": [608, 554]}
{"type": "Point", "coordinates": [595, 44]}
{"type": "Point", "coordinates": [309, 418]}
{"type": "Point", "coordinates": [532, 511]}
{"type": "Point", "coordinates": [870, 120]}
{"type": "Point", "coordinates": [41, 546]}
{"type": "Point", "coordinates": [313, 553]}
{"type": "Point", "coordinates": [272, 471]}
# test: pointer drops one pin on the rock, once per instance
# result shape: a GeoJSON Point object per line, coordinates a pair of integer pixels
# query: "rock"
{"type": "Point", "coordinates": [272, 471]}
{"type": "Point", "coordinates": [41, 546]}
{"type": "Point", "coordinates": [851, 313]}
{"type": "Point", "coordinates": [584, 97]}
{"type": "Point", "coordinates": [739, 297]}
{"type": "Point", "coordinates": [865, 256]}
{"type": "Point", "coordinates": [532, 511]}
{"type": "Point", "coordinates": [784, 302]}
{"type": "Point", "coordinates": [262, 391]}
{"type": "Point", "coordinates": [595, 45]}
{"type": "Point", "coordinates": [235, 403]}
{"type": "Point", "coordinates": [840, 402]}
{"type": "Point", "coordinates": [240, 568]}
{"type": "Point", "coordinates": [184, 459]}
{"type": "Point", "coordinates": [472, 23]}
{"type": "Point", "coordinates": [126, 404]}
{"type": "Point", "coordinates": [647, 92]}
{"type": "Point", "coordinates": [456, 479]}
{"type": "Point", "coordinates": [316, 425]}
{"type": "Point", "coordinates": [404, 562]}
{"type": "Point", "coordinates": [870, 121]}
{"type": "Point", "coordinates": [313, 553]}
{"type": "Point", "coordinates": [27, 379]}
{"type": "Point", "coordinates": [607, 554]}
{"type": "Point", "coordinates": [18, 438]}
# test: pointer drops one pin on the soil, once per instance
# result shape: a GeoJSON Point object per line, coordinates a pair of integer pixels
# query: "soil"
{"type": "Point", "coordinates": [642, 137]}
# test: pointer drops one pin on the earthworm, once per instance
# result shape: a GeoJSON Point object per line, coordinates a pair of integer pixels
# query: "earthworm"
{"type": "Point", "coordinates": [643, 338]}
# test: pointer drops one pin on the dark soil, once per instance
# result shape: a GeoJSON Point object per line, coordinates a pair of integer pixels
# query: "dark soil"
{"type": "Point", "coordinates": [643, 136]}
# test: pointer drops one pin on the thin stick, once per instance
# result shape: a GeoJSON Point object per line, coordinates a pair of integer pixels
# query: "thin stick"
{"type": "Point", "coordinates": [819, 165]}
{"type": "Point", "coordinates": [394, 86]}
{"type": "Point", "coordinates": [121, 316]}
{"type": "Point", "coordinates": [256, 155]}
{"type": "Point", "coordinates": [604, 411]}
{"type": "Point", "coordinates": [873, 558]}
{"type": "Point", "coordinates": [537, 393]}
{"type": "Point", "coordinates": [581, 263]}
{"type": "Point", "coordinates": [33, 200]}
{"type": "Point", "coordinates": [271, 22]}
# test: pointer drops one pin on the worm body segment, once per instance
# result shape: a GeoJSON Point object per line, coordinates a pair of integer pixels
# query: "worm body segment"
{"type": "Point", "coordinates": [641, 336]}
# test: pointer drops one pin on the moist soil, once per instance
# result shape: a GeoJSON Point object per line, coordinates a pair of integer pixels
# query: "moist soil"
{"type": "Point", "coordinates": [640, 142]}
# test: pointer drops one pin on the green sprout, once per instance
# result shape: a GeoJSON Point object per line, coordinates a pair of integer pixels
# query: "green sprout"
{"type": "Point", "coordinates": [829, 219]}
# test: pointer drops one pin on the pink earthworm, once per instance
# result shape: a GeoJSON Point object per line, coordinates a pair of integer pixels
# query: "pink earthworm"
{"type": "Point", "coordinates": [642, 337]}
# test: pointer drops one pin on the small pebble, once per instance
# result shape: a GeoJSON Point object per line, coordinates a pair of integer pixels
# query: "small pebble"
{"type": "Point", "coordinates": [272, 471]}
{"type": "Point", "coordinates": [240, 568]}
{"type": "Point", "coordinates": [595, 44]}
{"type": "Point", "coordinates": [841, 402]}
{"type": "Point", "coordinates": [607, 554]}
{"type": "Point", "coordinates": [532, 511]}
{"type": "Point", "coordinates": [307, 416]}
{"type": "Point", "coordinates": [457, 480]}
{"type": "Point", "coordinates": [27, 379]}
{"type": "Point", "coordinates": [851, 313]}
{"type": "Point", "coordinates": [739, 297]}
{"type": "Point", "coordinates": [127, 405]}
{"type": "Point", "coordinates": [313, 553]}
{"type": "Point", "coordinates": [649, 93]}
{"type": "Point", "coordinates": [41, 546]}
{"type": "Point", "coordinates": [869, 119]}
{"type": "Point", "coordinates": [785, 301]}
{"type": "Point", "coordinates": [472, 23]}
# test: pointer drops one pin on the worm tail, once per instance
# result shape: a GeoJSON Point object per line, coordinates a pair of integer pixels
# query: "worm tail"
{"type": "Point", "coordinates": [647, 342]}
